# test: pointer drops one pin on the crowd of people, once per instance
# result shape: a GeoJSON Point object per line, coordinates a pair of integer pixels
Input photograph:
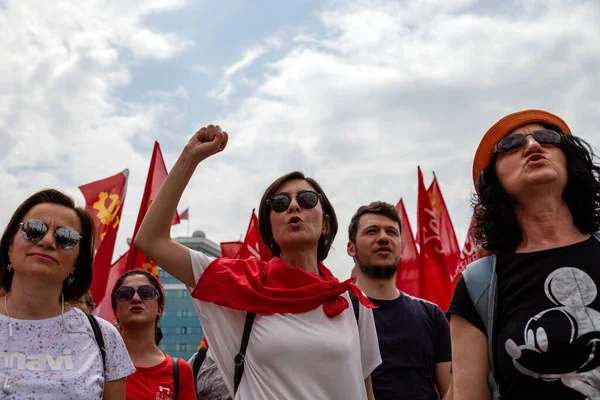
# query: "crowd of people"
{"type": "Point", "coordinates": [524, 321]}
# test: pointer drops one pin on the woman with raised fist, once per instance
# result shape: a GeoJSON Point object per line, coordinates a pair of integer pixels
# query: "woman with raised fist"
{"type": "Point", "coordinates": [288, 322]}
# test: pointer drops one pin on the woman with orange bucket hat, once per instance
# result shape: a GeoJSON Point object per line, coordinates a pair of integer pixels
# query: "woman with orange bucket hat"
{"type": "Point", "coordinates": [525, 321]}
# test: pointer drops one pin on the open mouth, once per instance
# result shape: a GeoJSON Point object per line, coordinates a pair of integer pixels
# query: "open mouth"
{"type": "Point", "coordinates": [295, 220]}
{"type": "Point", "coordinates": [383, 249]}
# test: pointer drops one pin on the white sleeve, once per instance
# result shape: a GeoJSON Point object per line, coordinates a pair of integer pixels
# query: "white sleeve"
{"type": "Point", "coordinates": [222, 326]}
{"type": "Point", "coordinates": [200, 262]}
{"type": "Point", "coordinates": [369, 344]}
{"type": "Point", "coordinates": [118, 363]}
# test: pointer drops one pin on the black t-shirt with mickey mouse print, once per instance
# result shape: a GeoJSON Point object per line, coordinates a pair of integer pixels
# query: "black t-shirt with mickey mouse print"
{"type": "Point", "coordinates": [547, 334]}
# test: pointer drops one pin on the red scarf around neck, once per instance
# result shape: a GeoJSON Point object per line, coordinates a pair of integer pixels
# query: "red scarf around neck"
{"type": "Point", "coordinates": [273, 287]}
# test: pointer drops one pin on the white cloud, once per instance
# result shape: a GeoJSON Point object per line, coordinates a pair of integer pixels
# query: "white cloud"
{"type": "Point", "coordinates": [389, 86]}
{"type": "Point", "coordinates": [358, 101]}
{"type": "Point", "coordinates": [63, 123]}
{"type": "Point", "coordinates": [226, 86]}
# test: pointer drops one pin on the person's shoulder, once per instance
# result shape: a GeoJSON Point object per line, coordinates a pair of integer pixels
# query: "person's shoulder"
{"type": "Point", "coordinates": [200, 257]}
{"type": "Point", "coordinates": [106, 326]}
{"type": "Point", "coordinates": [430, 307]}
{"type": "Point", "coordinates": [420, 301]}
{"type": "Point", "coordinates": [183, 365]}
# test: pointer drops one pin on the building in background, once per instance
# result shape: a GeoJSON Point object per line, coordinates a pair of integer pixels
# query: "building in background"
{"type": "Point", "coordinates": [180, 326]}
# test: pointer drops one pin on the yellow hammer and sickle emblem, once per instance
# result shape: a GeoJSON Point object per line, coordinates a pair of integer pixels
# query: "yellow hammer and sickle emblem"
{"type": "Point", "coordinates": [150, 267]}
{"type": "Point", "coordinates": [107, 214]}
{"type": "Point", "coordinates": [434, 200]}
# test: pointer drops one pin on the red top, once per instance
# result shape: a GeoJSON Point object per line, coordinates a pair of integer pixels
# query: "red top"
{"type": "Point", "coordinates": [157, 382]}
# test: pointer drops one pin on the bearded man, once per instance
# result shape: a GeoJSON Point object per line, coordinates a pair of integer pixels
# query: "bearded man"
{"type": "Point", "coordinates": [414, 335]}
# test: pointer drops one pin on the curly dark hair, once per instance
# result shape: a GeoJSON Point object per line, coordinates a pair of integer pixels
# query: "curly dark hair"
{"type": "Point", "coordinates": [496, 227]}
{"type": "Point", "coordinates": [264, 222]}
{"type": "Point", "coordinates": [82, 275]}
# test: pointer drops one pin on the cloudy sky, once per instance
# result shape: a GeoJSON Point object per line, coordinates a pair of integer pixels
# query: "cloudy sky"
{"type": "Point", "coordinates": [353, 93]}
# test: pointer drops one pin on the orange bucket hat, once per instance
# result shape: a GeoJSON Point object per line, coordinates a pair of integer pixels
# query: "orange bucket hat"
{"type": "Point", "coordinates": [506, 125]}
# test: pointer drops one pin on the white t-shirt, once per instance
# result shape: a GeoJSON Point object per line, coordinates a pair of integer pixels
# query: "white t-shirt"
{"type": "Point", "coordinates": [291, 356]}
{"type": "Point", "coordinates": [58, 358]}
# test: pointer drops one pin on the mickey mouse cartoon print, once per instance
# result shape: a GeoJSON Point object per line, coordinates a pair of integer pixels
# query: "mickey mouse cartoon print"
{"type": "Point", "coordinates": [563, 343]}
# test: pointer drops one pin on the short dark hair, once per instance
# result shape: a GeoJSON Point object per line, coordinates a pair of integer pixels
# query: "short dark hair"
{"type": "Point", "coordinates": [496, 227]}
{"type": "Point", "coordinates": [376, 207]}
{"type": "Point", "coordinates": [82, 275]}
{"type": "Point", "coordinates": [264, 222]}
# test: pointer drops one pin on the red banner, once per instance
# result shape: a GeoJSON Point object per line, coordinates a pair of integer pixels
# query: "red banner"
{"type": "Point", "coordinates": [447, 234]}
{"type": "Point", "coordinates": [469, 253]}
{"type": "Point", "coordinates": [104, 308]}
{"type": "Point", "coordinates": [185, 214]}
{"type": "Point", "coordinates": [254, 246]}
{"type": "Point", "coordinates": [104, 199]}
{"type": "Point", "coordinates": [435, 279]}
{"type": "Point", "coordinates": [157, 173]}
{"type": "Point", "coordinates": [230, 249]}
{"type": "Point", "coordinates": [408, 275]}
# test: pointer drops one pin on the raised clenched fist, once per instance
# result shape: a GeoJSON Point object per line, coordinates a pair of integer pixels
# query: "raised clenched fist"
{"type": "Point", "coordinates": [206, 142]}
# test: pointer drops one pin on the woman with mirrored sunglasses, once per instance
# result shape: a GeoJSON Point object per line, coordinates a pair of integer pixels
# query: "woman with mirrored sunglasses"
{"type": "Point", "coordinates": [534, 320]}
{"type": "Point", "coordinates": [301, 330]}
{"type": "Point", "coordinates": [52, 350]}
{"type": "Point", "coordinates": [138, 301]}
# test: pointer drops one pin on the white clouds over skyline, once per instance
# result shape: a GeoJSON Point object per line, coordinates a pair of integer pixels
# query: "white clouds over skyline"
{"type": "Point", "coordinates": [356, 97]}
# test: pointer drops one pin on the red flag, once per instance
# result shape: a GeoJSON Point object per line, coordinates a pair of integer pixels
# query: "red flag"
{"type": "Point", "coordinates": [253, 245]}
{"type": "Point", "coordinates": [447, 234]}
{"type": "Point", "coordinates": [230, 249]}
{"type": "Point", "coordinates": [470, 252]}
{"type": "Point", "coordinates": [104, 199]}
{"type": "Point", "coordinates": [435, 279]}
{"type": "Point", "coordinates": [185, 214]}
{"type": "Point", "coordinates": [408, 276]}
{"type": "Point", "coordinates": [157, 174]}
{"type": "Point", "coordinates": [104, 308]}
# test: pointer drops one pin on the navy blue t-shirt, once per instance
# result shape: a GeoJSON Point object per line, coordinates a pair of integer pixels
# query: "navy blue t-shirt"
{"type": "Point", "coordinates": [414, 335]}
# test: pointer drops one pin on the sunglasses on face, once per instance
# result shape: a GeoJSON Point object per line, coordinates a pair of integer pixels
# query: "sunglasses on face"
{"type": "Point", "coordinates": [306, 199]}
{"type": "Point", "coordinates": [126, 293]}
{"type": "Point", "coordinates": [513, 142]}
{"type": "Point", "coordinates": [33, 231]}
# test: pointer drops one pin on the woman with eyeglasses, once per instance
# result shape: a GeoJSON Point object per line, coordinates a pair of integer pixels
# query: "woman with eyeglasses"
{"type": "Point", "coordinates": [138, 302]}
{"type": "Point", "coordinates": [530, 312]}
{"type": "Point", "coordinates": [303, 338]}
{"type": "Point", "coordinates": [48, 349]}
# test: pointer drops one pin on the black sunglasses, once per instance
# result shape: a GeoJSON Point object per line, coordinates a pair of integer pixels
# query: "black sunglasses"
{"type": "Point", "coordinates": [126, 293]}
{"type": "Point", "coordinates": [306, 199]}
{"type": "Point", "coordinates": [513, 142]}
{"type": "Point", "coordinates": [33, 231]}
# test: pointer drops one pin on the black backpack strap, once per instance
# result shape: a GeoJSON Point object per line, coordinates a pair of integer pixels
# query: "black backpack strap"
{"type": "Point", "coordinates": [240, 357]}
{"type": "Point", "coordinates": [355, 306]}
{"type": "Point", "coordinates": [197, 363]}
{"type": "Point", "coordinates": [175, 377]}
{"type": "Point", "coordinates": [98, 336]}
